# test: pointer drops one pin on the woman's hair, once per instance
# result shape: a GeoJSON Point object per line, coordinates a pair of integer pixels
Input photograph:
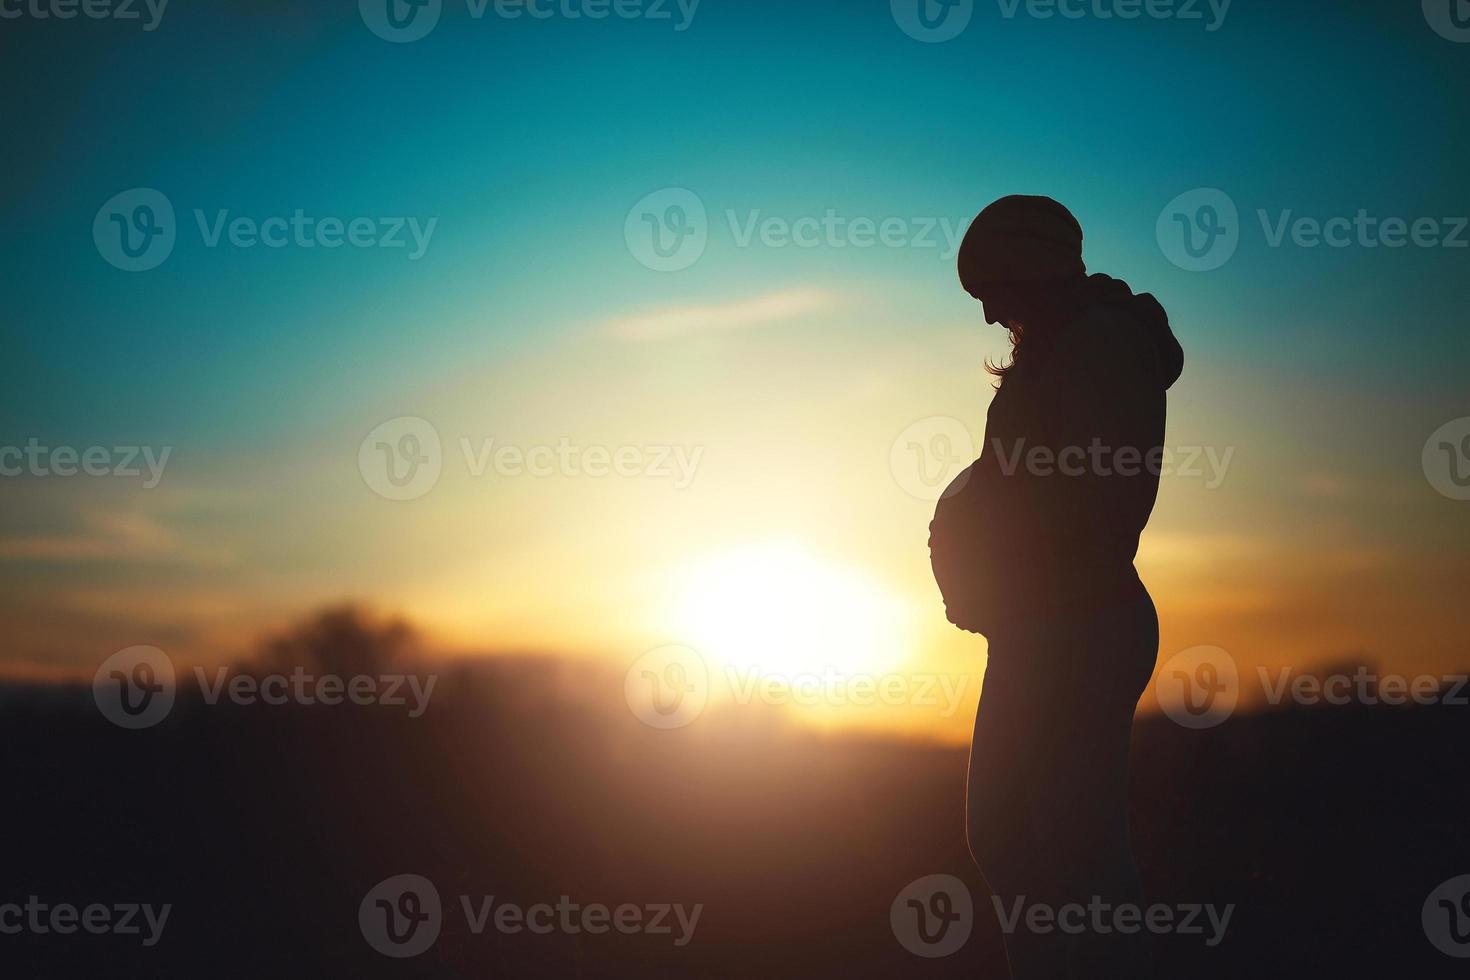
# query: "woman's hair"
{"type": "Point", "coordinates": [1017, 334]}
{"type": "Point", "coordinates": [1041, 308]}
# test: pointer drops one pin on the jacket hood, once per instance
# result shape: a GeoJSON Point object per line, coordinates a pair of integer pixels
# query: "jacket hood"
{"type": "Point", "coordinates": [1101, 290]}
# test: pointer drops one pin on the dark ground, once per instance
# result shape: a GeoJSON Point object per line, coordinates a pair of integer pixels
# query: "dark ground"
{"type": "Point", "coordinates": [265, 827]}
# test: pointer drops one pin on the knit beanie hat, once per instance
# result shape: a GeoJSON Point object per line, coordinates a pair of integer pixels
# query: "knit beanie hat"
{"type": "Point", "coordinates": [1021, 238]}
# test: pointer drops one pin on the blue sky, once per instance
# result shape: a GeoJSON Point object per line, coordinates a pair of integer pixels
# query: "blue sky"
{"type": "Point", "coordinates": [529, 140]}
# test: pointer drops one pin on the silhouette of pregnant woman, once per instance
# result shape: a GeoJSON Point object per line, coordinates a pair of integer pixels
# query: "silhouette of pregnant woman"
{"type": "Point", "coordinates": [1033, 546]}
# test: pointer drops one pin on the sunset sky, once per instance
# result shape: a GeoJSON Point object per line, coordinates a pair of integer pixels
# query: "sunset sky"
{"type": "Point", "coordinates": [783, 374]}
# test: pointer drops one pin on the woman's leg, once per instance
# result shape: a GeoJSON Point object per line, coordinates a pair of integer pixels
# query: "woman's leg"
{"type": "Point", "coordinates": [1001, 810]}
{"type": "Point", "coordinates": [1047, 801]}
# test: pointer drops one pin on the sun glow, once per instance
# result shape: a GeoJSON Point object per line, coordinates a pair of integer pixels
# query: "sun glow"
{"type": "Point", "coordinates": [780, 611]}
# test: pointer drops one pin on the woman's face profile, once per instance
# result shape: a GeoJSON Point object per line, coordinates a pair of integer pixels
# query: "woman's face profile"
{"type": "Point", "coordinates": [1002, 304]}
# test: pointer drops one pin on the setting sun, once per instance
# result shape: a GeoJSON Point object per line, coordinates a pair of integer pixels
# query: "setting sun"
{"type": "Point", "coordinates": [778, 610]}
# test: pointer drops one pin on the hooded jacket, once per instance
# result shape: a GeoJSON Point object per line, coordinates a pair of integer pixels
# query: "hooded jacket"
{"type": "Point", "coordinates": [1048, 518]}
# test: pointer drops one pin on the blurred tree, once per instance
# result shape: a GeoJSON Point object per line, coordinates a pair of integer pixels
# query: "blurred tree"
{"type": "Point", "coordinates": [344, 640]}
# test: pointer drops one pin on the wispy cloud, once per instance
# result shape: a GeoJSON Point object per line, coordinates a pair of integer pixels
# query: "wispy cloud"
{"type": "Point", "coordinates": [678, 321]}
{"type": "Point", "coordinates": [103, 536]}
